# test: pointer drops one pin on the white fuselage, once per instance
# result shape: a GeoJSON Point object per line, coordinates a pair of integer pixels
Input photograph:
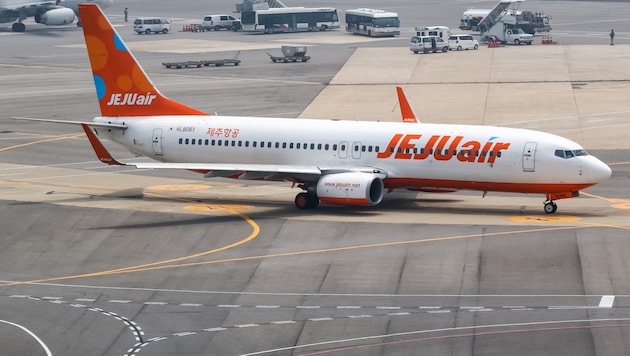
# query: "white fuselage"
{"type": "Point", "coordinates": [415, 156]}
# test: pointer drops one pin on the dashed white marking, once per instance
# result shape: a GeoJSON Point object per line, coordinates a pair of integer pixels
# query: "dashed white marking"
{"type": "Point", "coordinates": [359, 316]}
{"type": "Point", "coordinates": [308, 307]}
{"type": "Point", "coordinates": [84, 300]}
{"type": "Point", "coordinates": [348, 307]}
{"type": "Point", "coordinates": [119, 301]}
{"type": "Point", "coordinates": [214, 329]}
{"type": "Point", "coordinates": [320, 319]}
{"type": "Point", "coordinates": [438, 311]}
{"type": "Point", "coordinates": [561, 307]}
{"type": "Point", "coordinates": [388, 308]}
{"type": "Point", "coordinates": [424, 307]}
{"type": "Point", "coordinates": [51, 298]}
{"type": "Point", "coordinates": [246, 325]}
{"type": "Point", "coordinates": [522, 309]}
{"type": "Point", "coordinates": [284, 322]}
{"type": "Point", "coordinates": [77, 305]}
{"type": "Point", "coordinates": [190, 305]}
{"type": "Point", "coordinates": [20, 296]}
{"type": "Point", "coordinates": [228, 306]}
{"type": "Point", "coordinates": [155, 339]}
{"type": "Point", "coordinates": [398, 314]}
{"type": "Point", "coordinates": [607, 301]}
{"type": "Point", "coordinates": [470, 308]}
{"type": "Point", "coordinates": [155, 303]}
{"type": "Point", "coordinates": [267, 306]}
{"type": "Point", "coordinates": [513, 307]}
{"type": "Point", "coordinates": [185, 333]}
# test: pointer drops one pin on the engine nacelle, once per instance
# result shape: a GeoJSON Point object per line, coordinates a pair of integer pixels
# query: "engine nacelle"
{"type": "Point", "coordinates": [56, 17]}
{"type": "Point", "coordinates": [350, 188]}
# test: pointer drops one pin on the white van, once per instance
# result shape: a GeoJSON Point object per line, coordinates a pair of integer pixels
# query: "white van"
{"type": "Point", "coordinates": [218, 22]}
{"type": "Point", "coordinates": [460, 42]}
{"type": "Point", "coordinates": [442, 32]}
{"type": "Point", "coordinates": [152, 24]}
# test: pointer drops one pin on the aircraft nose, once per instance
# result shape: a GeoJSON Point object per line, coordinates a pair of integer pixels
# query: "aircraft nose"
{"type": "Point", "coordinates": [599, 171]}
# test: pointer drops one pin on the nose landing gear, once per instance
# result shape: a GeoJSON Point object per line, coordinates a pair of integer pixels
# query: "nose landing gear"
{"type": "Point", "coordinates": [550, 207]}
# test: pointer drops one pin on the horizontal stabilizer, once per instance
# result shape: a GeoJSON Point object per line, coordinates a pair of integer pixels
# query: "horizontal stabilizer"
{"type": "Point", "coordinates": [92, 124]}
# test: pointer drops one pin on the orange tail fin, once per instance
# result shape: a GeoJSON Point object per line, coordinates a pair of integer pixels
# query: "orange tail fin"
{"type": "Point", "coordinates": [408, 115]}
{"type": "Point", "coordinates": [122, 86]}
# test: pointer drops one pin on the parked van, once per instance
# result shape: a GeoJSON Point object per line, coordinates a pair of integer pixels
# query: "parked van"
{"type": "Point", "coordinates": [426, 44]}
{"type": "Point", "coordinates": [218, 22]}
{"type": "Point", "coordinates": [460, 42]}
{"type": "Point", "coordinates": [152, 24]}
{"type": "Point", "coordinates": [436, 31]}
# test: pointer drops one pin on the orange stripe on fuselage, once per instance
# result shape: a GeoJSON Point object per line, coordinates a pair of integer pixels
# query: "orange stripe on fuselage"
{"type": "Point", "coordinates": [536, 188]}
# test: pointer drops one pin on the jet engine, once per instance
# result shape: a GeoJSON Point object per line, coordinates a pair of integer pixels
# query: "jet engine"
{"type": "Point", "coordinates": [56, 17]}
{"type": "Point", "coordinates": [351, 188]}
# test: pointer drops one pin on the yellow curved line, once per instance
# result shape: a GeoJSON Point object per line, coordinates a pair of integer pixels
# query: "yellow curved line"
{"type": "Point", "coordinates": [147, 266]}
{"type": "Point", "coordinates": [64, 137]}
{"type": "Point", "coordinates": [334, 249]}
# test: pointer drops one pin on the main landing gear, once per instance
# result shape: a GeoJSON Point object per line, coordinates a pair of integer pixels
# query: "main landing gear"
{"type": "Point", "coordinates": [550, 207]}
{"type": "Point", "coordinates": [306, 201]}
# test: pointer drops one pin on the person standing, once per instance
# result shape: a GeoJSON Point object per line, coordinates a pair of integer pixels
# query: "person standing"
{"type": "Point", "coordinates": [126, 13]}
{"type": "Point", "coordinates": [612, 37]}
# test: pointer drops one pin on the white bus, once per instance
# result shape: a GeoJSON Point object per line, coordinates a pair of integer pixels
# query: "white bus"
{"type": "Point", "coordinates": [290, 19]}
{"type": "Point", "coordinates": [372, 22]}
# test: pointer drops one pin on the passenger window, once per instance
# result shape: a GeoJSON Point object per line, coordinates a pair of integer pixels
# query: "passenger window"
{"type": "Point", "coordinates": [181, 141]}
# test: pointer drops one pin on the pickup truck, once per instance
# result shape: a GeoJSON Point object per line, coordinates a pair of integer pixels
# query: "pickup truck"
{"type": "Point", "coordinates": [516, 36]}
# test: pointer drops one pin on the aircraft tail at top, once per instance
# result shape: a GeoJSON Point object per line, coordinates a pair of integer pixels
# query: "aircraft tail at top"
{"type": "Point", "coordinates": [122, 86]}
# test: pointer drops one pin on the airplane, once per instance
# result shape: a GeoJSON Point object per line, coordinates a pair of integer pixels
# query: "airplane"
{"type": "Point", "coordinates": [47, 12]}
{"type": "Point", "coordinates": [339, 162]}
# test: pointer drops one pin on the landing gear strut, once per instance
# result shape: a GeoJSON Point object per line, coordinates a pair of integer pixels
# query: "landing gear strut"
{"type": "Point", "coordinates": [550, 207]}
{"type": "Point", "coordinates": [306, 201]}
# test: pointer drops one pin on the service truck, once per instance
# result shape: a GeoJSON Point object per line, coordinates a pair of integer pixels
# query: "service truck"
{"type": "Point", "coordinates": [529, 21]}
{"type": "Point", "coordinates": [513, 35]}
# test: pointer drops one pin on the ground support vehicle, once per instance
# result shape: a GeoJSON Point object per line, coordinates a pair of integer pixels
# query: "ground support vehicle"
{"type": "Point", "coordinates": [291, 54]}
{"type": "Point", "coordinates": [206, 63]}
{"type": "Point", "coordinates": [427, 44]}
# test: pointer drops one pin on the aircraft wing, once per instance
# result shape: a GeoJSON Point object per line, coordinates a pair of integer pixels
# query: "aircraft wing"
{"type": "Point", "coordinates": [28, 4]}
{"type": "Point", "coordinates": [298, 173]}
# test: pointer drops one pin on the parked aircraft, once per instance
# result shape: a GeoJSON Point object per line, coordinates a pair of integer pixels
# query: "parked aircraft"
{"type": "Point", "coordinates": [332, 161]}
{"type": "Point", "coordinates": [47, 12]}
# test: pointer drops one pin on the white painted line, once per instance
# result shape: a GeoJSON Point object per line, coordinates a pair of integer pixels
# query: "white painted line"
{"type": "Point", "coordinates": [284, 322]}
{"type": "Point", "coordinates": [398, 314]}
{"type": "Point", "coordinates": [388, 308]}
{"type": "Point", "coordinates": [84, 300]}
{"type": "Point", "coordinates": [51, 298]}
{"type": "Point", "coordinates": [607, 301]}
{"type": "Point", "coordinates": [320, 319]}
{"type": "Point", "coordinates": [246, 325]}
{"type": "Point", "coordinates": [190, 305]}
{"type": "Point", "coordinates": [119, 301]}
{"type": "Point", "coordinates": [348, 307]}
{"type": "Point", "coordinates": [521, 309]}
{"type": "Point", "coordinates": [470, 308]}
{"type": "Point", "coordinates": [19, 296]}
{"type": "Point", "coordinates": [41, 343]}
{"type": "Point", "coordinates": [78, 305]}
{"type": "Point", "coordinates": [155, 303]}
{"type": "Point", "coordinates": [308, 307]}
{"type": "Point", "coordinates": [513, 307]}
{"type": "Point", "coordinates": [359, 316]}
{"type": "Point", "coordinates": [185, 333]}
{"type": "Point", "coordinates": [214, 329]}
{"type": "Point", "coordinates": [429, 307]}
{"type": "Point", "coordinates": [267, 306]}
{"type": "Point", "coordinates": [157, 339]}
{"type": "Point", "coordinates": [438, 311]}
{"type": "Point", "coordinates": [228, 306]}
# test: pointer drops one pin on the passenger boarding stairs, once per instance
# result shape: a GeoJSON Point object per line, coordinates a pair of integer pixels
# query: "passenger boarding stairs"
{"type": "Point", "coordinates": [495, 15]}
{"type": "Point", "coordinates": [249, 5]}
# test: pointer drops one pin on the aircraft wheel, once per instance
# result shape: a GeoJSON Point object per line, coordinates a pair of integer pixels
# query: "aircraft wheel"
{"type": "Point", "coordinates": [550, 207]}
{"type": "Point", "coordinates": [306, 201]}
{"type": "Point", "coordinates": [18, 27]}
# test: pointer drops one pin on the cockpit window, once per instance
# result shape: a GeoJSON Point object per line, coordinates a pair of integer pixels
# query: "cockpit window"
{"type": "Point", "coordinates": [570, 153]}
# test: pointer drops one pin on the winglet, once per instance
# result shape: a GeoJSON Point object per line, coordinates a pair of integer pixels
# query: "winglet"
{"type": "Point", "coordinates": [101, 152]}
{"type": "Point", "coordinates": [408, 115]}
{"type": "Point", "coordinates": [122, 86]}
